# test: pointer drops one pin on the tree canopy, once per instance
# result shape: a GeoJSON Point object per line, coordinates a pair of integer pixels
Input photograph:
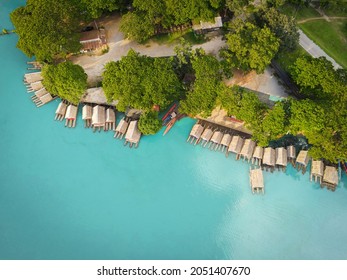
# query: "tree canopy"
{"type": "Point", "coordinates": [66, 80]}
{"type": "Point", "coordinates": [149, 123]}
{"type": "Point", "coordinates": [140, 82]}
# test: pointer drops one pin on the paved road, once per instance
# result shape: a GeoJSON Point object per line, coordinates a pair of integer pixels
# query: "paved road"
{"type": "Point", "coordinates": [313, 49]}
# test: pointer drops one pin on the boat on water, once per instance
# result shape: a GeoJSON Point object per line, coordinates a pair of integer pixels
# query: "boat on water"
{"type": "Point", "coordinates": [344, 165]}
{"type": "Point", "coordinates": [170, 125]}
{"type": "Point", "coordinates": [173, 107]}
{"type": "Point", "coordinates": [169, 118]}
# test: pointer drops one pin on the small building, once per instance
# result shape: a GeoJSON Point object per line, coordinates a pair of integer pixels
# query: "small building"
{"type": "Point", "coordinates": [195, 133]}
{"type": "Point", "coordinates": [281, 158]}
{"type": "Point", "coordinates": [110, 119]}
{"type": "Point", "coordinates": [42, 97]}
{"type": "Point", "coordinates": [205, 26]}
{"type": "Point", "coordinates": [216, 139]}
{"type": "Point", "coordinates": [258, 155]}
{"type": "Point", "coordinates": [92, 40]}
{"type": "Point", "coordinates": [71, 115]}
{"type": "Point", "coordinates": [87, 113]}
{"type": "Point", "coordinates": [30, 78]}
{"type": "Point", "coordinates": [302, 161]}
{"type": "Point", "coordinates": [257, 181]}
{"type": "Point", "coordinates": [235, 146]}
{"type": "Point", "coordinates": [206, 136]}
{"type": "Point", "coordinates": [225, 142]}
{"type": "Point", "coordinates": [133, 134]}
{"type": "Point", "coordinates": [330, 178]}
{"type": "Point", "coordinates": [291, 154]}
{"type": "Point", "coordinates": [269, 158]}
{"type": "Point", "coordinates": [35, 86]}
{"type": "Point", "coordinates": [121, 129]}
{"type": "Point", "coordinates": [61, 111]}
{"type": "Point", "coordinates": [98, 117]}
{"type": "Point", "coordinates": [248, 149]}
{"type": "Point", "coordinates": [317, 170]}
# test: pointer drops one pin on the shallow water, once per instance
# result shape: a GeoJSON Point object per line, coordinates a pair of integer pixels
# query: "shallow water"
{"type": "Point", "coordinates": [74, 194]}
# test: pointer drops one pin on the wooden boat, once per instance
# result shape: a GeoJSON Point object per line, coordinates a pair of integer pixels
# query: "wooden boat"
{"type": "Point", "coordinates": [170, 125]}
{"type": "Point", "coordinates": [169, 112]}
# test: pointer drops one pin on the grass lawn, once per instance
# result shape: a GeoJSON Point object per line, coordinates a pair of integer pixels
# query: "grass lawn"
{"type": "Point", "coordinates": [174, 37]}
{"type": "Point", "coordinates": [299, 13]}
{"type": "Point", "coordinates": [330, 36]}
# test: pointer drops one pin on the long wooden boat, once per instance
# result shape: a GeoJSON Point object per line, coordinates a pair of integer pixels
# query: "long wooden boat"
{"type": "Point", "coordinates": [170, 125]}
{"type": "Point", "coordinates": [169, 112]}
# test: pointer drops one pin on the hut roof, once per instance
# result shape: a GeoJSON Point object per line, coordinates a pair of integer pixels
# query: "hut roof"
{"type": "Point", "coordinates": [36, 85]}
{"type": "Point", "coordinates": [61, 110]}
{"type": "Point", "coordinates": [257, 179]}
{"type": "Point", "coordinates": [281, 156]}
{"type": "Point", "coordinates": [96, 96]}
{"type": "Point", "coordinates": [204, 25]}
{"type": "Point", "coordinates": [71, 112]}
{"type": "Point", "coordinates": [110, 115]}
{"type": "Point", "coordinates": [122, 126]}
{"type": "Point", "coordinates": [98, 118]}
{"type": "Point", "coordinates": [317, 167]}
{"type": "Point", "coordinates": [207, 134]}
{"type": "Point", "coordinates": [331, 175]}
{"type": "Point", "coordinates": [33, 77]}
{"type": "Point", "coordinates": [291, 152]}
{"type": "Point", "coordinates": [133, 134]}
{"type": "Point", "coordinates": [90, 36]}
{"type": "Point", "coordinates": [217, 137]}
{"type": "Point", "coordinates": [248, 148]}
{"type": "Point", "coordinates": [41, 92]}
{"type": "Point", "coordinates": [303, 158]}
{"type": "Point", "coordinates": [258, 152]}
{"type": "Point", "coordinates": [46, 98]}
{"type": "Point", "coordinates": [236, 145]}
{"type": "Point", "coordinates": [226, 140]}
{"type": "Point", "coordinates": [87, 112]}
{"type": "Point", "coordinates": [269, 156]}
{"type": "Point", "coordinates": [196, 130]}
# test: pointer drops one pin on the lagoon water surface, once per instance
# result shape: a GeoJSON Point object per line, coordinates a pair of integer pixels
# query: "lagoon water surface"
{"type": "Point", "coordinates": [74, 194]}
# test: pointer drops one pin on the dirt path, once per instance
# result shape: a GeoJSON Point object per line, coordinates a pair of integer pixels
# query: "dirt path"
{"type": "Point", "coordinates": [320, 18]}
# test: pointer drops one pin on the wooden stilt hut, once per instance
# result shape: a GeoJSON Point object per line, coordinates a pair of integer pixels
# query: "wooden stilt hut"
{"type": "Point", "coordinates": [257, 181]}
{"type": "Point", "coordinates": [98, 117]}
{"type": "Point", "coordinates": [61, 111]}
{"type": "Point", "coordinates": [132, 135]}
{"type": "Point", "coordinates": [302, 161]}
{"type": "Point", "coordinates": [330, 178]}
{"type": "Point", "coordinates": [235, 146]}
{"type": "Point", "coordinates": [87, 114]}
{"type": "Point", "coordinates": [195, 133]}
{"type": "Point", "coordinates": [248, 149]}
{"type": "Point", "coordinates": [281, 158]}
{"type": "Point", "coordinates": [30, 78]}
{"type": "Point", "coordinates": [258, 155]}
{"type": "Point", "coordinates": [317, 170]}
{"type": "Point", "coordinates": [291, 154]}
{"type": "Point", "coordinates": [71, 115]}
{"type": "Point", "coordinates": [206, 136]}
{"type": "Point", "coordinates": [110, 119]}
{"type": "Point", "coordinates": [41, 97]}
{"type": "Point", "coordinates": [34, 86]}
{"type": "Point", "coordinates": [225, 142]}
{"type": "Point", "coordinates": [216, 139]}
{"type": "Point", "coordinates": [121, 128]}
{"type": "Point", "coordinates": [269, 158]}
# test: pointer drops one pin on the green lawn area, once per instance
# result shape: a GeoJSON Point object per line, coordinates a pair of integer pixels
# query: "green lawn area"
{"type": "Point", "coordinates": [330, 36]}
{"type": "Point", "coordinates": [299, 13]}
{"type": "Point", "coordinates": [174, 37]}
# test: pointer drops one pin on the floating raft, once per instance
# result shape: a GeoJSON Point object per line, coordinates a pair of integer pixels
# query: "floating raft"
{"type": "Point", "coordinates": [71, 116]}
{"type": "Point", "coordinates": [121, 129]}
{"type": "Point", "coordinates": [257, 181]}
{"type": "Point", "coordinates": [61, 111]}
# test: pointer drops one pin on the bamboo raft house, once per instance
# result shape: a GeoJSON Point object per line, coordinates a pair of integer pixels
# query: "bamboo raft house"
{"type": "Point", "coordinates": [225, 142]}
{"type": "Point", "coordinates": [61, 111]}
{"type": "Point", "coordinates": [258, 155]}
{"type": "Point", "coordinates": [269, 158]}
{"type": "Point", "coordinates": [87, 113]}
{"type": "Point", "coordinates": [257, 180]}
{"type": "Point", "coordinates": [235, 146]}
{"type": "Point", "coordinates": [110, 119]}
{"type": "Point", "coordinates": [206, 136]}
{"type": "Point", "coordinates": [98, 117]}
{"type": "Point", "coordinates": [121, 128]}
{"type": "Point", "coordinates": [291, 155]}
{"type": "Point", "coordinates": [302, 161]}
{"type": "Point", "coordinates": [71, 115]}
{"type": "Point", "coordinates": [132, 135]}
{"type": "Point", "coordinates": [30, 78]}
{"type": "Point", "coordinates": [281, 158]}
{"type": "Point", "coordinates": [216, 139]}
{"type": "Point", "coordinates": [317, 170]}
{"type": "Point", "coordinates": [248, 149]}
{"type": "Point", "coordinates": [195, 133]}
{"type": "Point", "coordinates": [34, 86]}
{"type": "Point", "coordinates": [330, 178]}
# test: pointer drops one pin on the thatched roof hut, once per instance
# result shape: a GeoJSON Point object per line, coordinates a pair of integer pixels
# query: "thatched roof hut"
{"type": "Point", "coordinates": [196, 130]}
{"type": "Point", "coordinates": [71, 112]}
{"type": "Point", "coordinates": [61, 110]}
{"type": "Point", "coordinates": [110, 115]}
{"type": "Point", "coordinates": [217, 137]}
{"type": "Point", "coordinates": [291, 152]}
{"type": "Point", "coordinates": [248, 149]}
{"type": "Point", "coordinates": [98, 117]}
{"type": "Point", "coordinates": [256, 180]}
{"type": "Point", "coordinates": [269, 157]}
{"type": "Point", "coordinates": [36, 85]}
{"type": "Point", "coordinates": [303, 158]}
{"type": "Point", "coordinates": [46, 98]}
{"type": "Point", "coordinates": [207, 134]}
{"type": "Point", "coordinates": [133, 134]}
{"type": "Point", "coordinates": [226, 140]}
{"type": "Point", "coordinates": [33, 77]}
{"type": "Point", "coordinates": [41, 92]}
{"type": "Point", "coordinates": [122, 126]}
{"type": "Point", "coordinates": [87, 112]}
{"type": "Point", "coordinates": [330, 178]}
{"type": "Point", "coordinates": [258, 152]}
{"type": "Point", "coordinates": [281, 157]}
{"type": "Point", "coordinates": [317, 168]}
{"type": "Point", "coordinates": [236, 144]}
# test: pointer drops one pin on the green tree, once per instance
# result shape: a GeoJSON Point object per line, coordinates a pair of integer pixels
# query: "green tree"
{"type": "Point", "coordinates": [96, 7]}
{"type": "Point", "coordinates": [137, 26]}
{"type": "Point", "coordinates": [66, 80]}
{"type": "Point", "coordinates": [149, 123]}
{"type": "Point", "coordinates": [237, 6]}
{"type": "Point", "coordinates": [47, 28]}
{"type": "Point", "coordinates": [250, 47]}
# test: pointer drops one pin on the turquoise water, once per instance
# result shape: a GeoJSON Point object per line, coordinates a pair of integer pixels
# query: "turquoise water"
{"type": "Point", "coordinates": [72, 194]}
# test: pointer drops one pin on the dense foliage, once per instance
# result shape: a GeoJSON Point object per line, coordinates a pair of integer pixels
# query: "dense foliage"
{"type": "Point", "coordinates": [66, 80]}
{"type": "Point", "coordinates": [140, 82]}
{"type": "Point", "coordinates": [149, 123]}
